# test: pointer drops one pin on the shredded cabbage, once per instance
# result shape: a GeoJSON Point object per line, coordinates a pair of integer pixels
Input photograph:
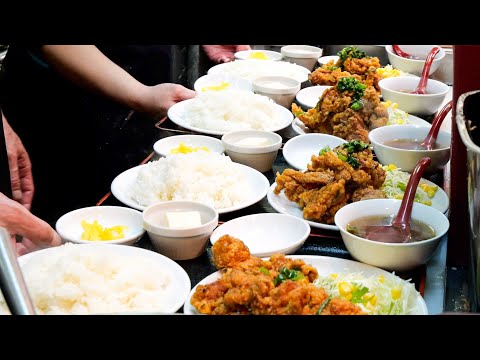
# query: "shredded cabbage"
{"type": "Point", "coordinates": [395, 115]}
{"type": "Point", "coordinates": [376, 295]}
{"type": "Point", "coordinates": [396, 182]}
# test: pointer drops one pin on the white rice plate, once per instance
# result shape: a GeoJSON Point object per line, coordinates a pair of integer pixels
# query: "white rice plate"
{"type": "Point", "coordinates": [209, 178]}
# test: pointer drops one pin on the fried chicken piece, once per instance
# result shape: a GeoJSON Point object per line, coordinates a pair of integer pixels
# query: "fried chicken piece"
{"type": "Point", "coordinates": [367, 193]}
{"type": "Point", "coordinates": [338, 306]}
{"type": "Point", "coordinates": [279, 261]}
{"type": "Point", "coordinates": [297, 182]}
{"type": "Point", "coordinates": [325, 76]}
{"type": "Point", "coordinates": [371, 167]}
{"type": "Point", "coordinates": [329, 161]}
{"type": "Point", "coordinates": [293, 298]}
{"type": "Point", "coordinates": [316, 203]}
{"type": "Point", "coordinates": [361, 66]}
{"type": "Point", "coordinates": [229, 252]}
{"type": "Point", "coordinates": [349, 125]}
{"type": "Point", "coordinates": [373, 113]}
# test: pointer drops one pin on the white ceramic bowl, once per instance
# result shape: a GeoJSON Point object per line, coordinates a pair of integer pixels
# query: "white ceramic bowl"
{"type": "Point", "coordinates": [215, 82]}
{"type": "Point", "coordinates": [280, 89]}
{"type": "Point", "coordinates": [179, 243]}
{"type": "Point", "coordinates": [303, 55]}
{"type": "Point", "coordinates": [427, 104]}
{"type": "Point", "coordinates": [246, 55]}
{"type": "Point", "coordinates": [69, 226]}
{"type": "Point", "coordinates": [390, 256]}
{"type": "Point", "coordinates": [412, 66]}
{"type": "Point", "coordinates": [259, 157]}
{"type": "Point", "coordinates": [308, 97]}
{"type": "Point", "coordinates": [163, 146]}
{"type": "Point", "coordinates": [299, 150]}
{"type": "Point", "coordinates": [326, 59]}
{"type": "Point", "coordinates": [406, 160]}
{"type": "Point", "coordinates": [266, 234]}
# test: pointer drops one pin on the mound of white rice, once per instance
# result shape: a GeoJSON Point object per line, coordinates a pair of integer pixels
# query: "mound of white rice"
{"type": "Point", "coordinates": [209, 178]}
{"type": "Point", "coordinates": [231, 110]}
{"type": "Point", "coordinates": [78, 279]}
{"type": "Point", "coordinates": [252, 69]}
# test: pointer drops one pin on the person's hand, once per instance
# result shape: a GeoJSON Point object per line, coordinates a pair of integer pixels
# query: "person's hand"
{"type": "Point", "coordinates": [223, 53]}
{"type": "Point", "coordinates": [37, 234]}
{"type": "Point", "coordinates": [159, 98]}
{"type": "Point", "coordinates": [20, 167]}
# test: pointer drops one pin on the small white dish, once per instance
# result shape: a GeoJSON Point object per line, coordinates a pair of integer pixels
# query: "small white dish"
{"type": "Point", "coordinates": [326, 59]}
{"type": "Point", "coordinates": [280, 89]}
{"type": "Point", "coordinates": [303, 55]}
{"type": "Point", "coordinates": [299, 150]}
{"type": "Point", "coordinates": [250, 55]}
{"type": "Point", "coordinates": [163, 146]}
{"type": "Point", "coordinates": [239, 147]}
{"type": "Point", "coordinates": [267, 233]}
{"type": "Point", "coordinates": [69, 226]}
{"type": "Point", "coordinates": [219, 82]}
{"type": "Point", "coordinates": [308, 97]}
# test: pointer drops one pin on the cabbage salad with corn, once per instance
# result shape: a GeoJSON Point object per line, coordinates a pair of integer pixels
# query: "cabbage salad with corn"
{"type": "Point", "coordinates": [396, 182]}
{"type": "Point", "coordinates": [395, 115]}
{"type": "Point", "coordinates": [376, 295]}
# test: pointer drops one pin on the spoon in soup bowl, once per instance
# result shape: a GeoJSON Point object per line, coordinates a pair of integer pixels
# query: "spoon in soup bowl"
{"type": "Point", "coordinates": [399, 230]}
{"type": "Point", "coordinates": [402, 53]}
{"type": "Point", "coordinates": [431, 137]}
{"type": "Point", "coordinates": [421, 88]}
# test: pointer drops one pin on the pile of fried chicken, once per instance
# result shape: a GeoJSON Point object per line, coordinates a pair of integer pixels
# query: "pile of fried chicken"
{"type": "Point", "coordinates": [352, 62]}
{"type": "Point", "coordinates": [348, 110]}
{"type": "Point", "coordinates": [335, 177]}
{"type": "Point", "coordinates": [278, 286]}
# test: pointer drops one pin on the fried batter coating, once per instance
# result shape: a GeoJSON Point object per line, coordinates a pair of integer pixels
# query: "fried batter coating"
{"type": "Point", "coordinates": [325, 76]}
{"type": "Point", "coordinates": [361, 66]}
{"type": "Point", "coordinates": [228, 252]}
{"type": "Point", "coordinates": [367, 193]}
{"type": "Point", "coordinates": [339, 306]}
{"type": "Point", "coordinates": [296, 182]}
{"type": "Point", "coordinates": [261, 291]}
{"type": "Point", "coordinates": [322, 204]}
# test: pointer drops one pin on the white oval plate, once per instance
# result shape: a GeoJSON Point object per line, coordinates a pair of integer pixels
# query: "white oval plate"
{"type": "Point", "coordinates": [179, 286]}
{"type": "Point", "coordinates": [284, 206]}
{"type": "Point", "coordinates": [259, 185]}
{"type": "Point", "coordinates": [309, 96]}
{"type": "Point", "coordinates": [270, 69]}
{"type": "Point", "coordinates": [325, 59]}
{"type": "Point", "coordinates": [216, 79]}
{"type": "Point", "coordinates": [299, 150]}
{"type": "Point", "coordinates": [325, 265]}
{"type": "Point", "coordinates": [178, 115]}
{"type": "Point", "coordinates": [266, 234]}
{"type": "Point", "coordinates": [300, 128]}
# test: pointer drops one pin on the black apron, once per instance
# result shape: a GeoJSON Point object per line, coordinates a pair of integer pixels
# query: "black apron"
{"type": "Point", "coordinates": [77, 141]}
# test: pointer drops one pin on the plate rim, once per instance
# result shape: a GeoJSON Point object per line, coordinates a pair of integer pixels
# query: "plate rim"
{"type": "Point", "coordinates": [179, 107]}
{"type": "Point", "coordinates": [176, 270]}
{"type": "Point", "coordinates": [188, 309]}
{"type": "Point", "coordinates": [130, 202]}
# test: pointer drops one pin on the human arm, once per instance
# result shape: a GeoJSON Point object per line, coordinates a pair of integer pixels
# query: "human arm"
{"type": "Point", "coordinates": [20, 167]}
{"type": "Point", "coordinates": [87, 66]}
{"type": "Point", "coordinates": [223, 53]}
{"type": "Point", "coordinates": [19, 221]}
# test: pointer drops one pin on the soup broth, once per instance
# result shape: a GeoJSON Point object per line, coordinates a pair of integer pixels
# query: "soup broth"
{"type": "Point", "coordinates": [364, 225]}
{"type": "Point", "coordinates": [408, 144]}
